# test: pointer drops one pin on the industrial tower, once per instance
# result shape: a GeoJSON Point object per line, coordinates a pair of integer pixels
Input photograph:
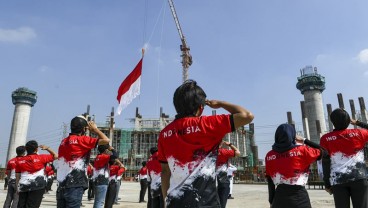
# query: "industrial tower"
{"type": "Point", "coordinates": [311, 85]}
{"type": "Point", "coordinates": [23, 99]}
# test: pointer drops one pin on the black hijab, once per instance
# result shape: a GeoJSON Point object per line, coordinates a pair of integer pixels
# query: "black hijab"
{"type": "Point", "coordinates": [284, 138]}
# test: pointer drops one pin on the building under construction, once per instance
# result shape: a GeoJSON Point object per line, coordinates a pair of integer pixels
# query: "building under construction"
{"type": "Point", "coordinates": [133, 144]}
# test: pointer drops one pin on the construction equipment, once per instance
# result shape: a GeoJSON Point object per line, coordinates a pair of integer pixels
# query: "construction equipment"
{"type": "Point", "coordinates": [185, 55]}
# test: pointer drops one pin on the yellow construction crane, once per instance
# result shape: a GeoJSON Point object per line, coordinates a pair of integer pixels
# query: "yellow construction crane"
{"type": "Point", "coordinates": [185, 55]}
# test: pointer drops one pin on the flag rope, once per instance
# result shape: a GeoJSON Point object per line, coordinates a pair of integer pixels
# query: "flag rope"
{"type": "Point", "coordinates": [159, 61]}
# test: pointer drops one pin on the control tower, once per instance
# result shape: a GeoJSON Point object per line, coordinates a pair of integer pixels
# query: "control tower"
{"type": "Point", "coordinates": [23, 99]}
{"type": "Point", "coordinates": [311, 85]}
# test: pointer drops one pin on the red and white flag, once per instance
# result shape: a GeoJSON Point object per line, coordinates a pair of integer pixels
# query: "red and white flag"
{"type": "Point", "coordinates": [130, 87]}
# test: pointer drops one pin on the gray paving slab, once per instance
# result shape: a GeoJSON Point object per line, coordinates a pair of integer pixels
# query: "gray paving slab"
{"type": "Point", "coordinates": [246, 195]}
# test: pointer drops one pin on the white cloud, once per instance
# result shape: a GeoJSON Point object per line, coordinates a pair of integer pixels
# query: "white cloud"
{"type": "Point", "coordinates": [363, 56]}
{"type": "Point", "coordinates": [22, 34]}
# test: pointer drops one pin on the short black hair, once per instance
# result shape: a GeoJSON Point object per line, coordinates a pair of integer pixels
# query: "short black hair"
{"type": "Point", "coordinates": [103, 148]}
{"type": "Point", "coordinates": [188, 97]}
{"type": "Point", "coordinates": [31, 146]}
{"type": "Point", "coordinates": [20, 150]}
{"type": "Point", "coordinates": [144, 163]}
{"type": "Point", "coordinates": [153, 150]}
{"type": "Point", "coordinates": [340, 119]}
{"type": "Point", "coordinates": [77, 124]}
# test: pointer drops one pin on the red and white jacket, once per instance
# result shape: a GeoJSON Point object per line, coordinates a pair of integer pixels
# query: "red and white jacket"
{"type": "Point", "coordinates": [222, 164]}
{"type": "Point", "coordinates": [189, 147]}
{"type": "Point", "coordinates": [154, 174]}
{"type": "Point", "coordinates": [345, 148]}
{"type": "Point", "coordinates": [72, 162]}
{"type": "Point", "coordinates": [101, 171]}
{"type": "Point", "coordinates": [291, 167]}
{"type": "Point", "coordinates": [11, 168]}
{"type": "Point", "coordinates": [32, 171]}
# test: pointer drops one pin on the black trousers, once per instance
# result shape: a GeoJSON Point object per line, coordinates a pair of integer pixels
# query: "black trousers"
{"type": "Point", "coordinates": [356, 190]}
{"type": "Point", "coordinates": [223, 190]}
{"type": "Point", "coordinates": [149, 203]}
{"type": "Point", "coordinates": [110, 194]}
{"type": "Point", "coordinates": [291, 196]}
{"type": "Point", "coordinates": [6, 183]}
{"type": "Point", "coordinates": [30, 199]}
{"type": "Point", "coordinates": [157, 202]}
{"type": "Point", "coordinates": [91, 189]}
{"type": "Point", "coordinates": [49, 184]}
{"type": "Point", "coordinates": [144, 185]}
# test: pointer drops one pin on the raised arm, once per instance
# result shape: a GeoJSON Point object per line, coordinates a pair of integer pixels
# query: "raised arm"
{"type": "Point", "coordinates": [119, 163]}
{"type": "Point", "coordinates": [233, 147]}
{"type": "Point", "coordinates": [103, 139]}
{"type": "Point", "coordinates": [241, 115]}
{"type": "Point", "coordinates": [43, 147]}
{"type": "Point", "coordinates": [359, 123]}
{"type": "Point", "coordinates": [326, 161]}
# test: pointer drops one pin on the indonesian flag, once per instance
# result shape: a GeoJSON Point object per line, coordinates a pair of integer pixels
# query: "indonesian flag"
{"type": "Point", "coordinates": [130, 87]}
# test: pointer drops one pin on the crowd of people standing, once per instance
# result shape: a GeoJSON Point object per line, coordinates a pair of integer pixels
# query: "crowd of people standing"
{"type": "Point", "coordinates": [32, 174]}
{"type": "Point", "coordinates": [191, 166]}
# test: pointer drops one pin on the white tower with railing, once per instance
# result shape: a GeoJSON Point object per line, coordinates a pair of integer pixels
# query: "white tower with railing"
{"type": "Point", "coordinates": [23, 99]}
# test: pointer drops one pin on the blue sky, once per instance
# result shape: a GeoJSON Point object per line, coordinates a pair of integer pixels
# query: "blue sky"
{"type": "Point", "coordinates": [75, 53]}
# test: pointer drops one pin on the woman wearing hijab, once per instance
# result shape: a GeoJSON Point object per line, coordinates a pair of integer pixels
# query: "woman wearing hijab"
{"type": "Point", "coordinates": [287, 168]}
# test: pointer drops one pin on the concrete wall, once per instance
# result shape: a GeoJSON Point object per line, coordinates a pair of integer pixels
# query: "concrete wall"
{"type": "Point", "coordinates": [19, 129]}
{"type": "Point", "coordinates": [314, 111]}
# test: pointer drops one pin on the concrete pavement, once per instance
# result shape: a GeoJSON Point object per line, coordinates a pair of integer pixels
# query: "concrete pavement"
{"type": "Point", "coordinates": [246, 195]}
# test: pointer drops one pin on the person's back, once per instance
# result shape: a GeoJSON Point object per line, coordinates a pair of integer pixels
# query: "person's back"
{"type": "Point", "coordinates": [348, 173]}
{"type": "Point", "coordinates": [30, 174]}
{"type": "Point", "coordinates": [222, 164]}
{"type": "Point", "coordinates": [154, 173]}
{"type": "Point", "coordinates": [72, 163]}
{"type": "Point", "coordinates": [101, 170]}
{"type": "Point", "coordinates": [101, 173]}
{"type": "Point", "coordinates": [12, 195]}
{"type": "Point", "coordinates": [346, 149]}
{"type": "Point", "coordinates": [287, 169]}
{"type": "Point", "coordinates": [73, 159]}
{"type": "Point", "coordinates": [32, 170]}
{"type": "Point", "coordinates": [154, 169]}
{"type": "Point", "coordinates": [291, 167]}
{"type": "Point", "coordinates": [188, 147]}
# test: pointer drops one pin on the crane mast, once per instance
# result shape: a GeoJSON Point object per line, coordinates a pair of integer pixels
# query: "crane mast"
{"type": "Point", "coordinates": [185, 55]}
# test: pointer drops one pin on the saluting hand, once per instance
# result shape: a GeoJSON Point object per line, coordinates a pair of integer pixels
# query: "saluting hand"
{"type": "Point", "coordinates": [353, 122]}
{"type": "Point", "coordinates": [299, 139]}
{"type": "Point", "coordinates": [43, 147]}
{"type": "Point", "coordinates": [92, 126]}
